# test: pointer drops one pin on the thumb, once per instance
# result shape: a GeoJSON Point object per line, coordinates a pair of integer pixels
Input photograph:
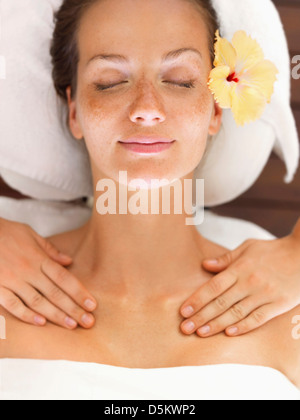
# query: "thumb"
{"type": "Point", "coordinates": [52, 252]}
{"type": "Point", "coordinates": [216, 265]}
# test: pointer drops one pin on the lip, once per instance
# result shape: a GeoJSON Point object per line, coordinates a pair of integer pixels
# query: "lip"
{"type": "Point", "coordinates": [150, 148]}
{"type": "Point", "coordinates": [147, 144]}
{"type": "Point", "coordinates": [147, 140]}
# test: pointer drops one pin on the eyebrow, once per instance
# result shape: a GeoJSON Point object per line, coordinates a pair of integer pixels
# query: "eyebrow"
{"type": "Point", "coordinates": [121, 59]}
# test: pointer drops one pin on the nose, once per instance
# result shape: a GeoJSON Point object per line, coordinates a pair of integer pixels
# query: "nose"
{"type": "Point", "coordinates": [147, 109]}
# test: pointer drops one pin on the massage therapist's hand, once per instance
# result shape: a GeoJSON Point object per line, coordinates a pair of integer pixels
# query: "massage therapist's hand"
{"type": "Point", "coordinates": [258, 281]}
{"type": "Point", "coordinates": [35, 286]}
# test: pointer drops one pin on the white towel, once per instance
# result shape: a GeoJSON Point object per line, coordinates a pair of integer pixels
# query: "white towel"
{"type": "Point", "coordinates": [62, 380]}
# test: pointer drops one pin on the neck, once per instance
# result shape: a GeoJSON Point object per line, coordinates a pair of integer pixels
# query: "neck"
{"type": "Point", "coordinates": [141, 255]}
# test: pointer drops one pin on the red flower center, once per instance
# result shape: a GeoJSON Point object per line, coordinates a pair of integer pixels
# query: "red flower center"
{"type": "Point", "coordinates": [232, 78]}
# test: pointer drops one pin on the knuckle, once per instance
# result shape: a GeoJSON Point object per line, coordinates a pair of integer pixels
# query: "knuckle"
{"type": "Point", "coordinates": [44, 265]}
{"type": "Point", "coordinates": [199, 319]}
{"type": "Point", "coordinates": [62, 275]}
{"type": "Point", "coordinates": [56, 294]}
{"type": "Point", "coordinates": [221, 303]}
{"type": "Point", "coordinates": [25, 265]}
{"type": "Point", "coordinates": [270, 289]}
{"type": "Point", "coordinates": [36, 300]}
{"type": "Point", "coordinates": [12, 303]}
{"type": "Point", "coordinates": [215, 286]}
{"type": "Point", "coordinates": [48, 246]}
{"type": "Point", "coordinates": [238, 312]}
{"type": "Point", "coordinates": [242, 265]}
{"type": "Point", "coordinates": [259, 317]}
{"type": "Point", "coordinates": [256, 280]}
{"type": "Point", "coordinates": [228, 258]}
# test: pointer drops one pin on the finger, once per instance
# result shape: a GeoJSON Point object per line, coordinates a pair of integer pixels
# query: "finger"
{"type": "Point", "coordinates": [257, 319]}
{"type": "Point", "coordinates": [208, 292]}
{"type": "Point", "coordinates": [14, 305]}
{"type": "Point", "coordinates": [216, 265]}
{"type": "Point", "coordinates": [236, 313]}
{"type": "Point", "coordinates": [51, 251]}
{"type": "Point", "coordinates": [213, 310]}
{"type": "Point", "coordinates": [69, 284]}
{"type": "Point", "coordinates": [56, 296]}
{"type": "Point", "coordinates": [35, 301]}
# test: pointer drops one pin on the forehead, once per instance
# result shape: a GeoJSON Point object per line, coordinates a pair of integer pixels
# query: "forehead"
{"type": "Point", "coordinates": [141, 28]}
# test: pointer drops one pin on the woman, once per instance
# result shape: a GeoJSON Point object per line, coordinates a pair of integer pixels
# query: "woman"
{"type": "Point", "coordinates": [278, 260]}
{"type": "Point", "coordinates": [146, 263]}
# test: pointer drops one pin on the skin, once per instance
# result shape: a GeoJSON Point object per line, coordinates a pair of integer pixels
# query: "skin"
{"type": "Point", "coordinates": [265, 271]}
{"type": "Point", "coordinates": [258, 281]}
{"type": "Point", "coordinates": [158, 257]}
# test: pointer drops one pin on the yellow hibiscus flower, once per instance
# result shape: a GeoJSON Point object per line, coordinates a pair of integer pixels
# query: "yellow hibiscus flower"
{"type": "Point", "coordinates": [242, 79]}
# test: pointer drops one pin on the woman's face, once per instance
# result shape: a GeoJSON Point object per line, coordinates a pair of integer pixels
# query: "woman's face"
{"type": "Point", "coordinates": [152, 95]}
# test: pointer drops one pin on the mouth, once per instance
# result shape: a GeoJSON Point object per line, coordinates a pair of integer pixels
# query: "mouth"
{"type": "Point", "coordinates": [146, 148]}
{"type": "Point", "coordinates": [147, 144]}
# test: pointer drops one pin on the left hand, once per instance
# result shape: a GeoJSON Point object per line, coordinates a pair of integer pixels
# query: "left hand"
{"type": "Point", "coordinates": [258, 281]}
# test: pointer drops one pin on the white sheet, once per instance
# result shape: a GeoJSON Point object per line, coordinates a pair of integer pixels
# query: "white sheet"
{"type": "Point", "coordinates": [61, 380]}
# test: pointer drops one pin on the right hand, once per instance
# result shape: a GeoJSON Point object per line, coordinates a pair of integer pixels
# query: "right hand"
{"type": "Point", "coordinates": [30, 295]}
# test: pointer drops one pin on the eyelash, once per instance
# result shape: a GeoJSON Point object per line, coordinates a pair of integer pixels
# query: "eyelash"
{"type": "Point", "coordinates": [187, 85]}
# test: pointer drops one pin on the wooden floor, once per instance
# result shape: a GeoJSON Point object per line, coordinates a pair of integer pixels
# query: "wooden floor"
{"type": "Point", "coordinates": [270, 203]}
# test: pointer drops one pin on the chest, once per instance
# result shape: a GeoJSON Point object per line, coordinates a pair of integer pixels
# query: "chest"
{"type": "Point", "coordinates": [131, 338]}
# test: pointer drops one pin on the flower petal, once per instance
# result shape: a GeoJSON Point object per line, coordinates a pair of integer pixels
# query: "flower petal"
{"type": "Point", "coordinates": [220, 87]}
{"type": "Point", "coordinates": [225, 54]}
{"type": "Point", "coordinates": [248, 51]}
{"type": "Point", "coordinates": [261, 77]}
{"type": "Point", "coordinates": [247, 104]}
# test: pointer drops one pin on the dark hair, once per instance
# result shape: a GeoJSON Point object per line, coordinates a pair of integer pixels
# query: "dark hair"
{"type": "Point", "coordinates": [64, 49]}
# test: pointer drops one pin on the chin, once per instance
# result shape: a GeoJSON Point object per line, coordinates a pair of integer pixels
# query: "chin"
{"type": "Point", "coordinates": [145, 181]}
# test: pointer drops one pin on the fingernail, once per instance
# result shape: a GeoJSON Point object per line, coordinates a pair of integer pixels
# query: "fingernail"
{"type": "Point", "coordinates": [212, 262]}
{"type": "Point", "coordinates": [204, 330]}
{"type": "Point", "coordinates": [90, 305]}
{"type": "Point", "coordinates": [232, 331]}
{"type": "Point", "coordinates": [70, 322]}
{"type": "Point", "coordinates": [39, 320]}
{"type": "Point", "coordinates": [187, 311]}
{"type": "Point", "coordinates": [87, 319]}
{"type": "Point", "coordinates": [64, 257]}
{"type": "Point", "coordinates": [189, 326]}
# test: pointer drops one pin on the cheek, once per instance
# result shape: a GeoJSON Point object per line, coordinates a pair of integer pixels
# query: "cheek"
{"type": "Point", "coordinates": [90, 113]}
{"type": "Point", "coordinates": [195, 121]}
{"type": "Point", "coordinates": [96, 123]}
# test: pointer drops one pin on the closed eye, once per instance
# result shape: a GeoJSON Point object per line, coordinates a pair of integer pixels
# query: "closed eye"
{"type": "Point", "coordinates": [106, 87]}
{"type": "Point", "coordinates": [187, 85]}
